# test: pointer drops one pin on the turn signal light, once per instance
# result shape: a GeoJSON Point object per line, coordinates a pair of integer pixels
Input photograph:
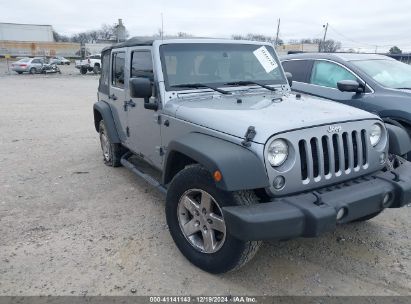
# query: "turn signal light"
{"type": "Point", "coordinates": [217, 176]}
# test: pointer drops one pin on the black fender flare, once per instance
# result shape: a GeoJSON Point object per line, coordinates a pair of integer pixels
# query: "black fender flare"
{"type": "Point", "coordinates": [102, 108]}
{"type": "Point", "coordinates": [399, 140]}
{"type": "Point", "coordinates": [240, 168]}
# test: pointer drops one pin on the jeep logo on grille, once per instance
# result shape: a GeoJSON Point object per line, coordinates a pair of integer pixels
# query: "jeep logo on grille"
{"type": "Point", "coordinates": [334, 129]}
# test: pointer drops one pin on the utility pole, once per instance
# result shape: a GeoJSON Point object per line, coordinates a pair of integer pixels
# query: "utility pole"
{"type": "Point", "coordinates": [278, 33]}
{"type": "Point", "coordinates": [325, 35]}
{"type": "Point", "coordinates": [162, 27]}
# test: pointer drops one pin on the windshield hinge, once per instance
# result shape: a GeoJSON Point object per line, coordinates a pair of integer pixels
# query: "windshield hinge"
{"type": "Point", "coordinates": [249, 136]}
{"type": "Point", "coordinates": [157, 118]}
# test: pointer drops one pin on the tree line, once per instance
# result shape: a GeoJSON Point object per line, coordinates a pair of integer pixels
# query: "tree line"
{"type": "Point", "coordinates": [105, 33]}
{"type": "Point", "coordinates": [328, 46]}
{"type": "Point", "coordinates": [108, 33]}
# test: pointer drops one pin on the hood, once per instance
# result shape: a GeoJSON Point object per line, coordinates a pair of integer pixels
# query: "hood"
{"type": "Point", "coordinates": [269, 114]}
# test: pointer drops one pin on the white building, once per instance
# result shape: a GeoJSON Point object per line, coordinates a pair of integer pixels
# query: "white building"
{"type": "Point", "coordinates": [300, 47]}
{"type": "Point", "coordinates": [26, 32]}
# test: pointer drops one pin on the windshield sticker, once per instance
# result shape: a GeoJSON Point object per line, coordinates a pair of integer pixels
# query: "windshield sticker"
{"type": "Point", "coordinates": [265, 58]}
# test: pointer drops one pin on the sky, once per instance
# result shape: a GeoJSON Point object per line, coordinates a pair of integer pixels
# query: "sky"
{"type": "Point", "coordinates": [361, 25]}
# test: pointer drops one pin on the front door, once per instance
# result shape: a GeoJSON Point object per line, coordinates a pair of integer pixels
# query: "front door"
{"type": "Point", "coordinates": [117, 94]}
{"type": "Point", "coordinates": [323, 81]}
{"type": "Point", "coordinates": [144, 124]}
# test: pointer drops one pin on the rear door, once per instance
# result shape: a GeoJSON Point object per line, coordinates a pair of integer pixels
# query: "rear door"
{"type": "Point", "coordinates": [144, 124]}
{"type": "Point", "coordinates": [300, 69]}
{"type": "Point", "coordinates": [117, 94]}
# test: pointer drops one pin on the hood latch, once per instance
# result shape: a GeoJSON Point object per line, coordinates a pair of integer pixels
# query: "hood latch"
{"type": "Point", "coordinates": [249, 136]}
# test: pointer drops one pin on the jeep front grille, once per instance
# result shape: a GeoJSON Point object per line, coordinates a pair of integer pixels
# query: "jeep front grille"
{"type": "Point", "coordinates": [331, 155]}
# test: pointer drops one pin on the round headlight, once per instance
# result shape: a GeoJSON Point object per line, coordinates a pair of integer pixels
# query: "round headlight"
{"type": "Point", "coordinates": [277, 152]}
{"type": "Point", "coordinates": [375, 134]}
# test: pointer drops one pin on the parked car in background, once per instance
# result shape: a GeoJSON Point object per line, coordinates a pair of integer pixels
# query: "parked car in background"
{"type": "Point", "coordinates": [29, 65]}
{"type": "Point", "coordinates": [90, 64]}
{"type": "Point", "coordinates": [60, 60]}
{"type": "Point", "coordinates": [375, 83]}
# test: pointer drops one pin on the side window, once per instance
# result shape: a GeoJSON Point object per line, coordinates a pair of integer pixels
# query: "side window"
{"type": "Point", "coordinates": [105, 72]}
{"type": "Point", "coordinates": [142, 65]}
{"type": "Point", "coordinates": [117, 70]}
{"type": "Point", "coordinates": [36, 61]}
{"type": "Point", "coordinates": [301, 69]}
{"type": "Point", "coordinates": [327, 74]}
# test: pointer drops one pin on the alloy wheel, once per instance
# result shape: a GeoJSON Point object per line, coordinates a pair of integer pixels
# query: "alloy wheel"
{"type": "Point", "coordinates": [201, 221]}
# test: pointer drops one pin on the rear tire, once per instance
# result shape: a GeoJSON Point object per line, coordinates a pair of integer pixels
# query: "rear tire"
{"type": "Point", "coordinates": [112, 153]}
{"type": "Point", "coordinates": [83, 71]}
{"type": "Point", "coordinates": [192, 226]}
{"type": "Point", "coordinates": [20, 73]}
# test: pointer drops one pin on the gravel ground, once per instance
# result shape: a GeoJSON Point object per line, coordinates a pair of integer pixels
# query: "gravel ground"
{"type": "Point", "coordinates": [69, 225]}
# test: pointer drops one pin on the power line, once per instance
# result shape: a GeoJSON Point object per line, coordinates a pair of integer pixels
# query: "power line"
{"type": "Point", "coordinates": [358, 42]}
{"type": "Point", "coordinates": [350, 39]}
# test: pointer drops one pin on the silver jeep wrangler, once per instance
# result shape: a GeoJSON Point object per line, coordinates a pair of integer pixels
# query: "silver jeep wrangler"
{"type": "Point", "coordinates": [241, 159]}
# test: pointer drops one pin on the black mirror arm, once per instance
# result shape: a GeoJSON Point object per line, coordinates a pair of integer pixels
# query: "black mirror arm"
{"type": "Point", "coordinates": [150, 105]}
{"type": "Point", "coordinates": [361, 88]}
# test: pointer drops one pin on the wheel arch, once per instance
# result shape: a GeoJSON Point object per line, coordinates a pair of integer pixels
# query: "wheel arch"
{"type": "Point", "coordinates": [240, 168]}
{"type": "Point", "coordinates": [402, 117]}
{"type": "Point", "coordinates": [102, 111]}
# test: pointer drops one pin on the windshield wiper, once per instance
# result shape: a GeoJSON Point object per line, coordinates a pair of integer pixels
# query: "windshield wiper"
{"type": "Point", "coordinates": [199, 85]}
{"type": "Point", "coordinates": [248, 82]}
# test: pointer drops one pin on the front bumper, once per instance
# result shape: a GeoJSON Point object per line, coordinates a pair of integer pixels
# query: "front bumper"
{"type": "Point", "coordinates": [310, 214]}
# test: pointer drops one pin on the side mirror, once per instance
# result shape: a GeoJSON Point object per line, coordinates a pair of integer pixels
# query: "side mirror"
{"type": "Point", "coordinates": [141, 87]}
{"type": "Point", "coordinates": [289, 78]}
{"type": "Point", "coordinates": [350, 86]}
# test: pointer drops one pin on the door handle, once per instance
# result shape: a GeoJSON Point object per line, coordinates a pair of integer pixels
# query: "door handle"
{"type": "Point", "coordinates": [112, 96]}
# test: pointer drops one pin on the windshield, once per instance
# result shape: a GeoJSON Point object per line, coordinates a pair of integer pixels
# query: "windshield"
{"type": "Point", "coordinates": [218, 64]}
{"type": "Point", "coordinates": [24, 60]}
{"type": "Point", "coordinates": [389, 73]}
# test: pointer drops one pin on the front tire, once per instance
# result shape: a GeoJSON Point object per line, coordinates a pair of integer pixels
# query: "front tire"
{"type": "Point", "coordinates": [196, 222]}
{"type": "Point", "coordinates": [33, 71]}
{"type": "Point", "coordinates": [83, 71]}
{"type": "Point", "coordinates": [112, 153]}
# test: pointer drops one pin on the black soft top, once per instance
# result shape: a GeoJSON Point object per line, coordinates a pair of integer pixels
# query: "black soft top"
{"type": "Point", "coordinates": [135, 41]}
